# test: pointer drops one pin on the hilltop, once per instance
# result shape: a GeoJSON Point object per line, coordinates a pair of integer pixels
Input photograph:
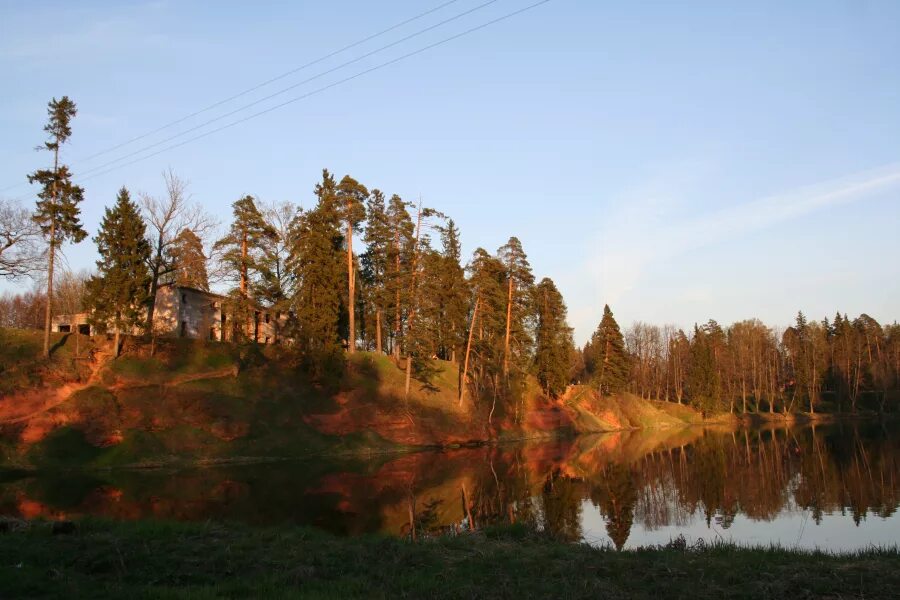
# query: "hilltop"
{"type": "Point", "coordinates": [206, 402]}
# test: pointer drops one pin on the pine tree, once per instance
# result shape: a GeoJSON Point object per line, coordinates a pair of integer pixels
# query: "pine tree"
{"type": "Point", "coordinates": [453, 294]}
{"type": "Point", "coordinates": [241, 246]}
{"type": "Point", "coordinates": [315, 264]}
{"type": "Point", "coordinates": [611, 363]}
{"type": "Point", "coordinates": [57, 212]}
{"type": "Point", "coordinates": [190, 261]}
{"type": "Point", "coordinates": [703, 383]}
{"type": "Point", "coordinates": [487, 327]}
{"type": "Point", "coordinates": [376, 266]}
{"type": "Point", "coordinates": [241, 252]}
{"type": "Point", "coordinates": [351, 197]}
{"type": "Point", "coordinates": [554, 339]}
{"type": "Point", "coordinates": [119, 291]}
{"type": "Point", "coordinates": [400, 259]}
{"type": "Point", "coordinates": [519, 282]}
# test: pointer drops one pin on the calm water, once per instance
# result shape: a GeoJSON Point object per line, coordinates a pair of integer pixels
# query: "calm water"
{"type": "Point", "coordinates": [834, 487]}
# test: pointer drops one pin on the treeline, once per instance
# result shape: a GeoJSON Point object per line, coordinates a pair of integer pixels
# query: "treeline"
{"type": "Point", "coordinates": [406, 293]}
{"type": "Point", "coordinates": [748, 367]}
{"type": "Point", "coordinates": [409, 293]}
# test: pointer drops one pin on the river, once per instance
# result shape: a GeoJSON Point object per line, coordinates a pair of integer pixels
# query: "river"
{"type": "Point", "coordinates": [835, 487]}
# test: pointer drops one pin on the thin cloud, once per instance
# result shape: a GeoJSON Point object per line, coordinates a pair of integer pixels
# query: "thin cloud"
{"type": "Point", "coordinates": [648, 230]}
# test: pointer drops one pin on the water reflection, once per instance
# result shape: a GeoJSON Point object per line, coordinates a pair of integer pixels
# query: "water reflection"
{"type": "Point", "coordinates": [833, 486]}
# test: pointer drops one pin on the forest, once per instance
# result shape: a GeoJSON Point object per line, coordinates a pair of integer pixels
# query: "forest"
{"type": "Point", "coordinates": [408, 292]}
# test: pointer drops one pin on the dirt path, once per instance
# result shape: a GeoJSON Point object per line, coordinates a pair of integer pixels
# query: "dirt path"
{"type": "Point", "coordinates": [36, 402]}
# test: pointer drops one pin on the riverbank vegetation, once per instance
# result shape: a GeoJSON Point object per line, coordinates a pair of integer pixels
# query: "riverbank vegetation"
{"type": "Point", "coordinates": [482, 347]}
{"type": "Point", "coordinates": [100, 559]}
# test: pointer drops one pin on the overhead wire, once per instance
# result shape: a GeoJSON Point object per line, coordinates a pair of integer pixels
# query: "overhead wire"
{"type": "Point", "coordinates": [257, 86]}
{"type": "Point", "coordinates": [287, 89]}
{"type": "Point", "coordinates": [324, 88]}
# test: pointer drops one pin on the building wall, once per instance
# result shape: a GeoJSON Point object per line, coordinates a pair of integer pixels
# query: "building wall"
{"type": "Point", "coordinates": [190, 313]}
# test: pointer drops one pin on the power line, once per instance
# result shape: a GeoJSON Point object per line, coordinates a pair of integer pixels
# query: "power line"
{"type": "Point", "coordinates": [288, 88]}
{"type": "Point", "coordinates": [272, 80]}
{"type": "Point", "coordinates": [255, 87]}
{"type": "Point", "coordinates": [325, 88]}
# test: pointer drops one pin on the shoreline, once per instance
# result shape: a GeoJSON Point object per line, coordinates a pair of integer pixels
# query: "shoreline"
{"type": "Point", "coordinates": [736, 422]}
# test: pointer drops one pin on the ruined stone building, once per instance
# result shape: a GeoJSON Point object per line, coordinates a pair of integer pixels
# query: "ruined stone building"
{"type": "Point", "coordinates": [192, 313]}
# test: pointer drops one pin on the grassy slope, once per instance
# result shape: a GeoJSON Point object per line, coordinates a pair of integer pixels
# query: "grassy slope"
{"type": "Point", "coordinates": [20, 368]}
{"type": "Point", "coordinates": [166, 560]}
{"type": "Point", "coordinates": [196, 401]}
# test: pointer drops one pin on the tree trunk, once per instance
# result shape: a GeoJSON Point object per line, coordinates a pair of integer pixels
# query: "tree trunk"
{"type": "Point", "coordinates": [508, 325]}
{"type": "Point", "coordinates": [396, 344]}
{"type": "Point", "coordinates": [465, 377]}
{"type": "Point", "coordinates": [409, 362]}
{"type": "Point", "coordinates": [351, 288]}
{"type": "Point", "coordinates": [48, 312]}
{"type": "Point", "coordinates": [244, 266]}
{"type": "Point", "coordinates": [412, 299]}
{"type": "Point", "coordinates": [378, 331]}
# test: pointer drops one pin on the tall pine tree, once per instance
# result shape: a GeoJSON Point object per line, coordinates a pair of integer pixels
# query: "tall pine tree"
{"type": "Point", "coordinates": [519, 282]}
{"type": "Point", "coordinates": [376, 261]}
{"type": "Point", "coordinates": [242, 254]}
{"type": "Point", "coordinates": [57, 211]}
{"type": "Point", "coordinates": [352, 197]}
{"type": "Point", "coordinates": [118, 292]}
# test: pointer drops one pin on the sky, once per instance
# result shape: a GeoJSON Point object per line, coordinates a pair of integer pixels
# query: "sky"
{"type": "Point", "coordinates": [678, 161]}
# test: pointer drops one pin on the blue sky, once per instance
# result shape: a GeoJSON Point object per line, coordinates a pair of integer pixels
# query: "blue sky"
{"type": "Point", "coordinates": [680, 161]}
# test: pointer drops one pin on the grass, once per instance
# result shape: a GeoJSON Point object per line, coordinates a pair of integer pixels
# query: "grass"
{"type": "Point", "coordinates": [23, 368]}
{"type": "Point", "coordinates": [105, 559]}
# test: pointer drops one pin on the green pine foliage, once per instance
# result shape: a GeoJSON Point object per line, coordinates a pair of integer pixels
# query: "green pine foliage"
{"type": "Point", "coordinates": [554, 347]}
{"type": "Point", "coordinates": [318, 307]}
{"type": "Point", "coordinates": [400, 259]}
{"type": "Point", "coordinates": [487, 278]}
{"type": "Point", "coordinates": [241, 248]}
{"type": "Point", "coordinates": [57, 213]}
{"type": "Point", "coordinates": [704, 385]}
{"type": "Point", "coordinates": [118, 293]}
{"type": "Point", "coordinates": [190, 261]}
{"type": "Point", "coordinates": [452, 293]}
{"type": "Point", "coordinates": [608, 363]}
{"type": "Point", "coordinates": [519, 287]}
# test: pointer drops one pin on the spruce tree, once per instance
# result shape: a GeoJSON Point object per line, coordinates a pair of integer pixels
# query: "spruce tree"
{"type": "Point", "coordinates": [703, 382]}
{"type": "Point", "coordinates": [57, 212]}
{"type": "Point", "coordinates": [351, 197]}
{"type": "Point", "coordinates": [453, 294]}
{"type": "Point", "coordinates": [611, 363]}
{"type": "Point", "coordinates": [315, 263]}
{"type": "Point", "coordinates": [554, 345]}
{"type": "Point", "coordinates": [190, 261]}
{"type": "Point", "coordinates": [118, 292]}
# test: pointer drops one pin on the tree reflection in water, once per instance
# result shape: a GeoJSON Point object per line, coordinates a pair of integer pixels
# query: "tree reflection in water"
{"type": "Point", "coordinates": [650, 480]}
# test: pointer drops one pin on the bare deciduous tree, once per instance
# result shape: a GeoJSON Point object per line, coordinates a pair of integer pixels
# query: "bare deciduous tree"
{"type": "Point", "coordinates": [165, 218]}
{"type": "Point", "coordinates": [20, 255]}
